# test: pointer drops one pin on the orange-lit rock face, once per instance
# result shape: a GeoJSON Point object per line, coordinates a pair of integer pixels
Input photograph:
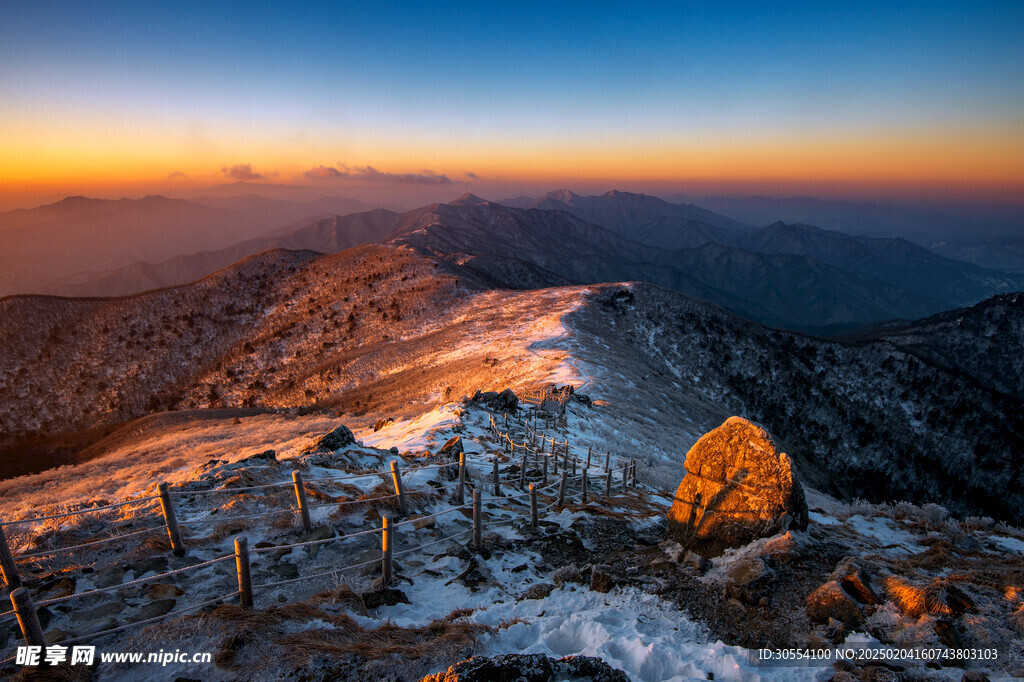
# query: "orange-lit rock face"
{"type": "Point", "coordinates": [738, 487]}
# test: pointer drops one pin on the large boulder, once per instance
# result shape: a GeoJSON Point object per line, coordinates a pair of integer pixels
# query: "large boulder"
{"type": "Point", "coordinates": [738, 487]}
{"type": "Point", "coordinates": [506, 401]}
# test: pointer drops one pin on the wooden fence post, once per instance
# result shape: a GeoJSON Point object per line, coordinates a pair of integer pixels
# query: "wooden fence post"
{"type": "Point", "coordinates": [496, 477]}
{"type": "Point", "coordinates": [300, 495]}
{"type": "Point", "coordinates": [533, 506]}
{"type": "Point", "coordinates": [583, 488]}
{"type": "Point", "coordinates": [607, 460]}
{"type": "Point", "coordinates": [572, 458]}
{"type": "Point", "coordinates": [632, 473]}
{"type": "Point", "coordinates": [554, 462]}
{"type": "Point", "coordinates": [608, 483]}
{"type": "Point", "coordinates": [589, 449]}
{"type": "Point", "coordinates": [625, 476]}
{"type": "Point", "coordinates": [28, 619]}
{"type": "Point", "coordinates": [7, 565]}
{"type": "Point", "coordinates": [460, 493]}
{"type": "Point", "coordinates": [544, 464]}
{"type": "Point", "coordinates": [477, 521]}
{"type": "Point", "coordinates": [522, 473]}
{"type": "Point", "coordinates": [506, 420]}
{"type": "Point", "coordinates": [244, 578]}
{"type": "Point", "coordinates": [385, 548]}
{"type": "Point", "coordinates": [561, 491]}
{"type": "Point", "coordinates": [173, 532]}
{"type": "Point", "coordinates": [396, 477]}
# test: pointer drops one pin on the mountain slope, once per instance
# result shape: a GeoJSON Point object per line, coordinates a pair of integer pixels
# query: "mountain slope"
{"type": "Point", "coordinates": [626, 212]}
{"type": "Point", "coordinates": [985, 341]}
{"type": "Point", "coordinates": [383, 331]}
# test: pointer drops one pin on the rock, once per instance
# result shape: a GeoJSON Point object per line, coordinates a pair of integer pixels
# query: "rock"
{"type": "Point", "coordinates": [382, 595]}
{"type": "Point", "coordinates": [696, 562]}
{"type": "Point", "coordinates": [157, 564]}
{"type": "Point", "coordinates": [424, 522]}
{"type": "Point", "coordinates": [452, 448]}
{"type": "Point", "coordinates": [265, 456]}
{"type": "Point", "coordinates": [673, 550]}
{"type": "Point", "coordinates": [529, 668]}
{"type": "Point", "coordinates": [102, 611]}
{"type": "Point", "coordinates": [738, 487]}
{"type": "Point", "coordinates": [335, 440]}
{"type": "Point", "coordinates": [381, 423]}
{"type": "Point", "coordinates": [747, 571]}
{"type": "Point", "coordinates": [567, 574]}
{"type": "Point", "coordinates": [323, 532]}
{"type": "Point", "coordinates": [506, 401]}
{"type": "Point", "coordinates": [974, 676]}
{"type": "Point", "coordinates": [538, 591]}
{"type": "Point", "coordinates": [155, 608]}
{"type": "Point", "coordinates": [283, 570]}
{"type": "Point", "coordinates": [855, 580]}
{"type": "Point", "coordinates": [473, 576]}
{"type": "Point", "coordinates": [782, 550]}
{"type": "Point", "coordinates": [600, 578]}
{"type": "Point", "coordinates": [161, 591]}
{"type": "Point", "coordinates": [583, 399]}
{"type": "Point", "coordinates": [832, 601]}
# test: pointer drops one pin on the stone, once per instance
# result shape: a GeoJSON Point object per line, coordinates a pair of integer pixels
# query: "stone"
{"type": "Point", "coordinates": [538, 591]}
{"type": "Point", "coordinates": [529, 668]}
{"type": "Point", "coordinates": [855, 581]}
{"type": "Point", "coordinates": [161, 591]}
{"type": "Point", "coordinates": [832, 601]}
{"type": "Point", "coordinates": [747, 571]}
{"type": "Point", "coordinates": [506, 401]}
{"type": "Point", "coordinates": [601, 579]}
{"type": "Point", "coordinates": [452, 448]}
{"type": "Point", "coordinates": [381, 423]}
{"type": "Point", "coordinates": [673, 550]}
{"type": "Point", "coordinates": [102, 611]}
{"type": "Point", "coordinates": [382, 595]}
{"type": "Point", "coordinates": [337, 439]}
{"type": "Point", "coordinates": [473, 576]}
{"type": "Point", "coordinates": [265, 456]}
{"type": "Point", "coordinates": [155, 608]}
{"type": "Point", "coordinates": [738, 487]}
{"type": "Point", "coordinates": [567, 574]}
{"type": "Point", "coordinates": [424, 522]}
{"type": "Point", "coordinates": [156, 564]}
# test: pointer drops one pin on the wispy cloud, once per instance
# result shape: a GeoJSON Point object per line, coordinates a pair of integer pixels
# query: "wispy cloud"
{"type": "Point", "coordinates": [242, 171]}
{"type": "Point", "coordinates": [175, 175]}
{"type": "Point", "coordinates": [472, 176]}
{"type": "Point", "coordinates": [371, 174]}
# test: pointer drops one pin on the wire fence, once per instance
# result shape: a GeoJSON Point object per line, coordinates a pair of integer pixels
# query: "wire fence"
{"type": "Point", "coordinates": [526, 507]}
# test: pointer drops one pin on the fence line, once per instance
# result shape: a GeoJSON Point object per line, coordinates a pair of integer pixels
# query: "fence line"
{"type": "Point", "coordinates": [241, 554]}
{"type": "Point", "coordinates": [79, 512]}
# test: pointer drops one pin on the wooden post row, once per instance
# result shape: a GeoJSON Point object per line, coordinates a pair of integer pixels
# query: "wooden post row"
{"type": "Point", "coordinates": [583, 489]}
{"type": "Point", "coordinates": [608, 482]}
{"type": "Point", "coordinates": [561, 491]}
{"type": "Point", "coordinates": [300, 495]}
{"type": "Point", "coordinates": [396, 478]}
{"type": "Point", "coordinates": [522, 473]}
{"type": "Point", "coordinates": [496, 477]}
{"type": "Point", "coordinates": [173, 532]}
{"type": "Point", "coordinates": [244, 578]}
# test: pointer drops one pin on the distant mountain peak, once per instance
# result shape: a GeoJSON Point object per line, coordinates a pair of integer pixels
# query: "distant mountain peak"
{"type": "Point", "coordinates": [564, 195]}
{"type": "Point", "coordinates": [469, 199]}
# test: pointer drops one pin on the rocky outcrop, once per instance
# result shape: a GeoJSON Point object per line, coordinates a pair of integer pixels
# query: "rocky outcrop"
{"type": "Point", "coordinates": [335, 440]}
{"type": "Point", "coordinates": [506, 401]}
{"type": "Point", "coordinates": [738, 487]}
{"type": "Point", "coordinates": [529, 668]}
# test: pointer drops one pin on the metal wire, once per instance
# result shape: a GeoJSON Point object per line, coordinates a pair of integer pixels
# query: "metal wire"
{"type": "Point", "coordinates": [100, 590]}
{"type": "Point", "coordinates": [86, 544]}
{"type": "Point", "coordinates": [79, 512]}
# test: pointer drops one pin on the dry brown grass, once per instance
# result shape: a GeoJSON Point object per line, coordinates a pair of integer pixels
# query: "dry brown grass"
{"type": "Point", "coordinates": [940, 598]}
{"type": "Point", "coordinates": [440, 637]}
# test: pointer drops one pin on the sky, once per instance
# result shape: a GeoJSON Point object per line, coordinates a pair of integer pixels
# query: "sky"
{"type": "Point", "coordinates": [435, 99]}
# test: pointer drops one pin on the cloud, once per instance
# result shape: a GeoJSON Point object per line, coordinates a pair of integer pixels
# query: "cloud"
{"type": "Point", "coordinates": [175, 175]}
{"type": "Point", "coordinates": [472, 176]}
{"type": "Point", "coordinates": [371, 174]}
{"type": "Point", "coordinates": [242, 171]}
